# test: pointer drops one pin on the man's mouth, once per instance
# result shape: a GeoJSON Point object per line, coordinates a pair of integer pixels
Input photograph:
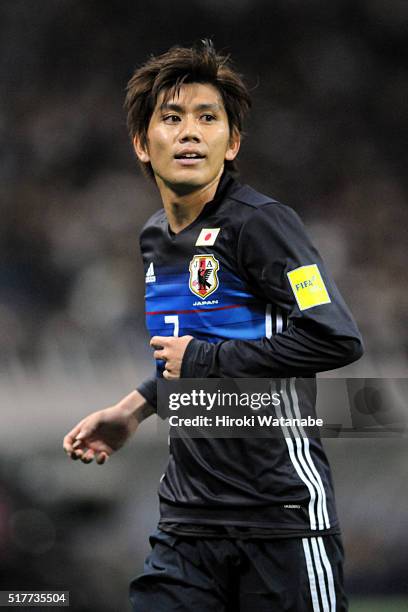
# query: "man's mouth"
{"type": "Point", "coordinates": [189, 156]}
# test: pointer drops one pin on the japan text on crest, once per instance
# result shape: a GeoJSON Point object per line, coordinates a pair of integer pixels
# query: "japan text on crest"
{"type": "Point", "coordinates": [203, 275]}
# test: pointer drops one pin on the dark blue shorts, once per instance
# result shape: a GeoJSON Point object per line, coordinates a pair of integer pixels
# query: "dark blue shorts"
{"type": "Point", "coordinates": [187, 574]}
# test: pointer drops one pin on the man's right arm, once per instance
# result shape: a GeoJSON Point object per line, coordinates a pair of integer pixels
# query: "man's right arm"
{"type": "Point", "coordinates": [148, 389]}
{"type": "Point", "coordinates": [103, 432]}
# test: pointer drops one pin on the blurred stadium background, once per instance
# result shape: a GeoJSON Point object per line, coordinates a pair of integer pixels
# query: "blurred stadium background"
{"type": "Point", "coordinates": [328, 136]}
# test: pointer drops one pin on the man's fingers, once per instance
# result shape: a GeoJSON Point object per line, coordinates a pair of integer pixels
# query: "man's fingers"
{"type": "Point", "coordinates": [68, 443]}
{"type": "Point", "coordinates": [85, 444]}
{"type": "Point", "coordinates": [75, 430]}
{"type": "Point", "coordinates": [159, 342]}
{"type": "Point", "coordinates": [160, 354]}
{"type": "Point", "coordinates": [72, 436]}
{"type": "Point", "coordinates": [74, 448]}
{"type": "Point", "coordinates": [168, 375]}
{"type": "Point", "coordinates": [101, 458]}
{"type": "Point", "coordinates": [71, 445]}
{"type": "Point", "coordinates": [88, 456]}
{"type": "Point", "coordinates": [84, 433]}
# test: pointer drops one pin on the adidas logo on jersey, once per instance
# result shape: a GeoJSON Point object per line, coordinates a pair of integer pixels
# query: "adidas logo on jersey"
{"type": "Point", "coordinates": [150, 275]}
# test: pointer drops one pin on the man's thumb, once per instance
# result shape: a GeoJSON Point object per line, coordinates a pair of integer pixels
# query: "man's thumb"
{"type": "Point", "coordinates": [82, 434]}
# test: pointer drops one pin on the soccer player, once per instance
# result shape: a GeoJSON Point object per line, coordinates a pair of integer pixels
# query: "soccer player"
{"type": "Point", "coordinates": [234, 288]}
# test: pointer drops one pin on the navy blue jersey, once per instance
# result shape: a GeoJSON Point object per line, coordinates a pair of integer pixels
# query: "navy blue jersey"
{"type": "Point", "coordinates": [246, 282]}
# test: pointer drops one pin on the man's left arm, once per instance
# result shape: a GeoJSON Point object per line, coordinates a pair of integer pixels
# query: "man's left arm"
{"type": "Point", "coordinates": [277, 258]}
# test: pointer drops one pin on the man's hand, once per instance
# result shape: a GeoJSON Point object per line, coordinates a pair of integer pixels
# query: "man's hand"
{"type": "Point", "coordinates": [103, 432]}
{"type": "Point", "coordinates": [171, 349]}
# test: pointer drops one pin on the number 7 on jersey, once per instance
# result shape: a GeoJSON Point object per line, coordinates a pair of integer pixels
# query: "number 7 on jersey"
{"type": "Point", "coordinates": [173, 320]}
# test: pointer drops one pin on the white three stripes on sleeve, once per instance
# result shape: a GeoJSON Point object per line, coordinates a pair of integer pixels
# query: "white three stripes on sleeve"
{"type": "Point", "coordinates": [300, 451]}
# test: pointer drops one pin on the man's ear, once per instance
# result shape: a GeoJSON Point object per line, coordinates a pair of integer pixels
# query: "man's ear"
{"type": "Point", "coordinates": [233, 145]}
{"type": "Point", "coordinates": [140, 149]}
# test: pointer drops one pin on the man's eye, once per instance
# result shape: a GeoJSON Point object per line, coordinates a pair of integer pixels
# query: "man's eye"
{"type": "Point", "coordinates": [208, 118]}
{"type": "Point", "coordinates": [171, 118]}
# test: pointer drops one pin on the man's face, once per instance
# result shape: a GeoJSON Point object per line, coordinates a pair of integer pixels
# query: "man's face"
{"type": "Point", "coordinates": [188, 138]}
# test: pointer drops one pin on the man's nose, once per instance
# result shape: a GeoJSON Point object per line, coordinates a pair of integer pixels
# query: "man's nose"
{"type": "Point", "coordinates": [190, 130]}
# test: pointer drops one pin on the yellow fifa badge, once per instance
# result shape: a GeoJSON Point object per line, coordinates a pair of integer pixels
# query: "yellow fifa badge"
{"type": "Point", "coordinates": [308, 287]}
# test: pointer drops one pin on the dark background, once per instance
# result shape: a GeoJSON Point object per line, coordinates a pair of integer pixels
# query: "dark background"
{"type": "Point", "coordinates": [327, 135]}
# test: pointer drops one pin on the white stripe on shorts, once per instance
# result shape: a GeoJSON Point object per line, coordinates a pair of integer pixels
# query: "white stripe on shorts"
{"type": "Point", "coordinates": [312, 579]}
{"type": "Point", "coordinates": [326, 563]}
{"type": "Point", "coordinates": [315, 556]}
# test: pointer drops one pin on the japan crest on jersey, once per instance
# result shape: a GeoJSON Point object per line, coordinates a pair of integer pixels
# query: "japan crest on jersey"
{"type": "Point", "coordinates": [203, 275]}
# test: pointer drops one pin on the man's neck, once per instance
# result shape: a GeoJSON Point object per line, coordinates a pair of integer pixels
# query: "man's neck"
{"type": "Point", "coordinates": [183, 208]}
